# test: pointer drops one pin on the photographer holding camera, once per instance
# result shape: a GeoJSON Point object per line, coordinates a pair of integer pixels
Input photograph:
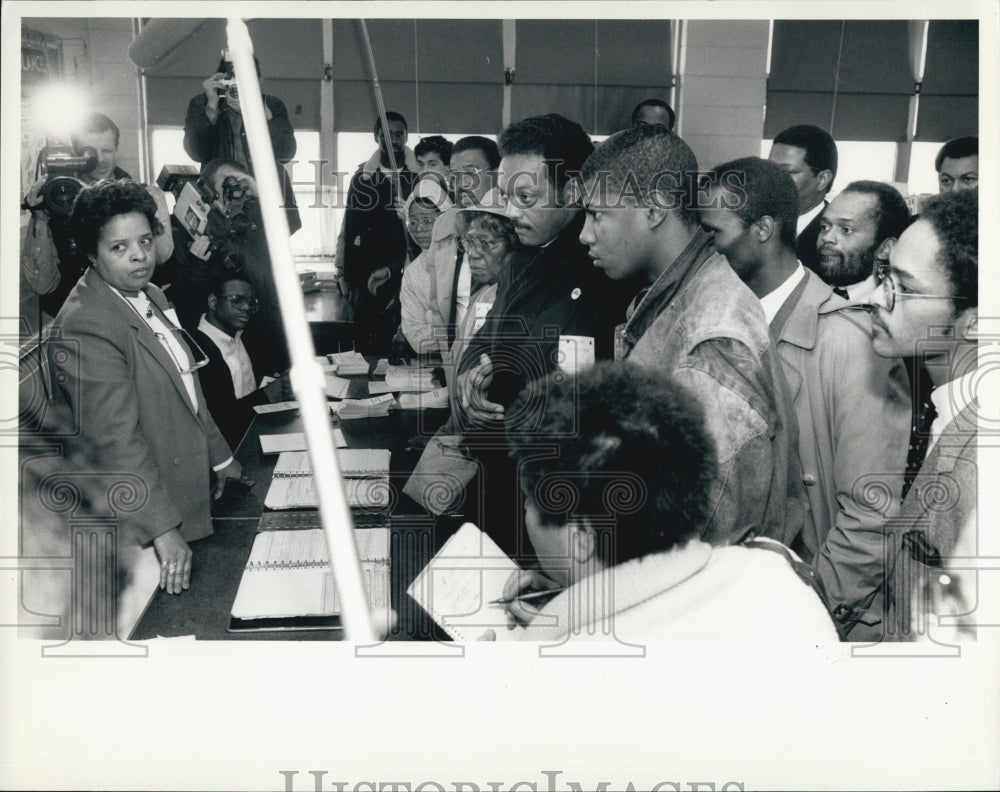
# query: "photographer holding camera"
{"type": "Point", "coordinates": [232, 243]}
{"type": "Point", "coordinates": [214, 129]}
{"type": "Point", "coordinates": [49, 263]}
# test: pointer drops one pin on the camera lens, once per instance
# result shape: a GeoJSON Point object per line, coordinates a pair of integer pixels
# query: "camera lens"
{"type": "Point", "coordinates": [60, 193]}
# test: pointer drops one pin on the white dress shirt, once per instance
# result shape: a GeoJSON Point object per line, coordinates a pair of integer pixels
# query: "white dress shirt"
{"type": "Point", "coordinates": [807, 218]}
{"type": "Point", "coordinates": [234, 353]}
{"type": "Point", "coordinates": [771, 303]}
{"type": "Point", "coordinates": [167, 335]}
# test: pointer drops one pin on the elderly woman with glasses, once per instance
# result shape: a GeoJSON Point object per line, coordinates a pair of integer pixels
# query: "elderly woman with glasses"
{"type": "Point", "coordinates": [125, 369]}
{"type": "Point", "coordinates": [418, 313]}
{"type": "Point", "coordinates": [489, 243]}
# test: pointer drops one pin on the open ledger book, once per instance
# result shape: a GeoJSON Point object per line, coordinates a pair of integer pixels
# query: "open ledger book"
{"type": "Point", "coordinates": [459, 584]}
{"type": "Point", "coordinates": [288, 583]}
{"type": "Point", "coordinates": [365, 472]}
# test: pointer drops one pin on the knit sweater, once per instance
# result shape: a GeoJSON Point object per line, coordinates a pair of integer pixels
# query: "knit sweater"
{"type": "Point", "coordinates": [690, 593]}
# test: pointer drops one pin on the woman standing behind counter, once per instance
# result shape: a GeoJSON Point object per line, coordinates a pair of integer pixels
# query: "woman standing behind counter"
{"type": "Point", "coordinates": [122, 364]}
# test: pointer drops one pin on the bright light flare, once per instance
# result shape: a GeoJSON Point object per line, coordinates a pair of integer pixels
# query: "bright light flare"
{"type": "Point", "coordinates": [58, 110]}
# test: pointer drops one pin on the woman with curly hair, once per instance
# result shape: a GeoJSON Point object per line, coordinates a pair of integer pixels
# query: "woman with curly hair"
{"type": "Point", "coordinates": [616, 470]}
{"type": "Point", "coordinates": [124, 368]}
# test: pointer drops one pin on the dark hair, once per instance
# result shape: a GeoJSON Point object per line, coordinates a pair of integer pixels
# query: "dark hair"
{"type": "Point", "coordinates": [225, 66]}
{"type": "Point", "coordinates": [955, 220]}
{"type": "Point", "coordinates": [221, 280]}
{"type": "Point", "coordinates": [563, 144]}
{"type": "Point", "coordinates": [630, 441]}
{"type": "Point", "coordinates": [487, 147]}
{"type": "Point", "coordinates": [390, 115]}
{"type": "Point", "coordinates": [210, 168]}
{"type": "Point", "coordinates": [641, 157]}
{"type": "Point", "coordinates": [957, 148]}
{"type": "Point", "coordinates": [892, 215]}
{"type": "Point", "coordinates": [498, 225]}
{"type": "Point", "coordinates": [435, 144]}
{"type": "Point", "coordinates": [98, 203]}
{"type": "Point", "coordinates": [95, 123]}
{"type": "Point", "coordinates": [655, 103]}
{"type": "Point", "coordinates": [821, 150]}
{"type": "Point", "coordinates": [763, 188]}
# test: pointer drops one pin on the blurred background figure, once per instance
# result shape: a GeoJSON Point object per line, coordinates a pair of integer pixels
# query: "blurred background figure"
{"type": "Point", "coordinates": [653, 111]}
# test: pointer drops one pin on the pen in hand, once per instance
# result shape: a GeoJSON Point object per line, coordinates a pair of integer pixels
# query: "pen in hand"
{"type": "Point", "coordinates": [529, 596]}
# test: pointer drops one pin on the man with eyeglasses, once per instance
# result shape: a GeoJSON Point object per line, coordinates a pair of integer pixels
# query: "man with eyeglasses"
{"type": "Point", "coordinates": [229, 380]}
{"type": "Point", "coordinates": [926, 307]}
{"type": "Point", "coordinates": [553, 310]}
{"type": "Point", "coordinates": [840, 389]}
{"type": "Point", "coordinates": [443, 269]}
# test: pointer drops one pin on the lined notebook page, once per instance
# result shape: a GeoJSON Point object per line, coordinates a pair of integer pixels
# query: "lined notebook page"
{"type": "Point", "coordinates": [352, 461]}
{"type": "Point", "coordinates": [289, 574]}
{"type": "Point", "coordinates": [460, 582]}
{"type": "Point", "coordinates": [299, 492]}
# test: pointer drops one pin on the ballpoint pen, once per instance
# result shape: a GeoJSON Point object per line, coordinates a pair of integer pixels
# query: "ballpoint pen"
{"type": "Point", "coordinates": [529, 596]}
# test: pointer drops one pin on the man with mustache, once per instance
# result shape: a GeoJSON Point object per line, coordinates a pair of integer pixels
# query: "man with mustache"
{"type": "Point", "coordinates": [841, 390]}
{"type": "Point", "coordinates": [857, 229]}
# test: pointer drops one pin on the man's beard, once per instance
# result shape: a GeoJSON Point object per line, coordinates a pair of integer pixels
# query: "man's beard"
{"type": "Point", "coordinates": [839, 270]}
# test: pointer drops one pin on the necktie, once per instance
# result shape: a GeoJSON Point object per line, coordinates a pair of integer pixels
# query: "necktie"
{"type": "Point", "coordinates": [920, 433]}
{"type": "Point", "coordinates": [840, 291]}
{"type": "Point", "coordinates": [453, 308]}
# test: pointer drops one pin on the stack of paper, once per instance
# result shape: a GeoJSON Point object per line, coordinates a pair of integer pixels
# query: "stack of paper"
{"type": "Point", "coordinates": [348, 363]}
{"type": "Point", "coordinates": [405, 379]}
{"type": "Point", "coordinates": [336, 387]}
{"type": "Point", "coordinates": [381, 367]}
{"type": "Point", "coordinates": [375, 407]}
{"type": "Point", "coordinates": [275, 407]}
{"type": "Point", "coordinates": [295, 441]}
{"type": "Point", "coordinates": [434, 400]}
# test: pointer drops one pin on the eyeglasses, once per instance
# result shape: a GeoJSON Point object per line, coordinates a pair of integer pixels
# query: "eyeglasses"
{"type": "Point", "coordinates": [424, 224]}
{"type": "Point", "coordinates": [480, 245]}
{"type": "Point", "coordinates": [239, 302]}
{"type": "Point", "coordinates": [184, 368]}
{"type": "Point", "coordinates": [890, 293]}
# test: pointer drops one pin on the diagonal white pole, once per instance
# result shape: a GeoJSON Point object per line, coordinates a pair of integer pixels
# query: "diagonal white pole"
{"type": "Point", "coordinates": [306, 374]}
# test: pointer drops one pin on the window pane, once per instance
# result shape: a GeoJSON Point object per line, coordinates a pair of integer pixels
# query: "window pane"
{"type": "Point", "coordinates": [923, 177]}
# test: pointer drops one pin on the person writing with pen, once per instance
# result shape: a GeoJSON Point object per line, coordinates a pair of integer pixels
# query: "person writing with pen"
{"type": "Point", "coordinates": [124, 369]}
{"type": "Point", "coordinates": [614, 518]}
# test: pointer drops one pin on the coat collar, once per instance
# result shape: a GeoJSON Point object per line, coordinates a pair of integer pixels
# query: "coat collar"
{"type": "Point", "coordinates": [817, 299]}
{"type": "Point", "coordinates": [116, 305]}
{"type": "Point", "coordinates": [958, 434]}
{"type": "Point", "coordinates": [650, 304]}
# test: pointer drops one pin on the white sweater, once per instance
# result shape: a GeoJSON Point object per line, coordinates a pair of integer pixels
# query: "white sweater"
{"type": "Point", "coordinates": [692, 593]}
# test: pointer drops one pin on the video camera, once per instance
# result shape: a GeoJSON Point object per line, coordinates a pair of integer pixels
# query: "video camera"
{"type": "Point", "coordinates": [63, 166]}
{"type": "Point", "coordinates": [200, 211]}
